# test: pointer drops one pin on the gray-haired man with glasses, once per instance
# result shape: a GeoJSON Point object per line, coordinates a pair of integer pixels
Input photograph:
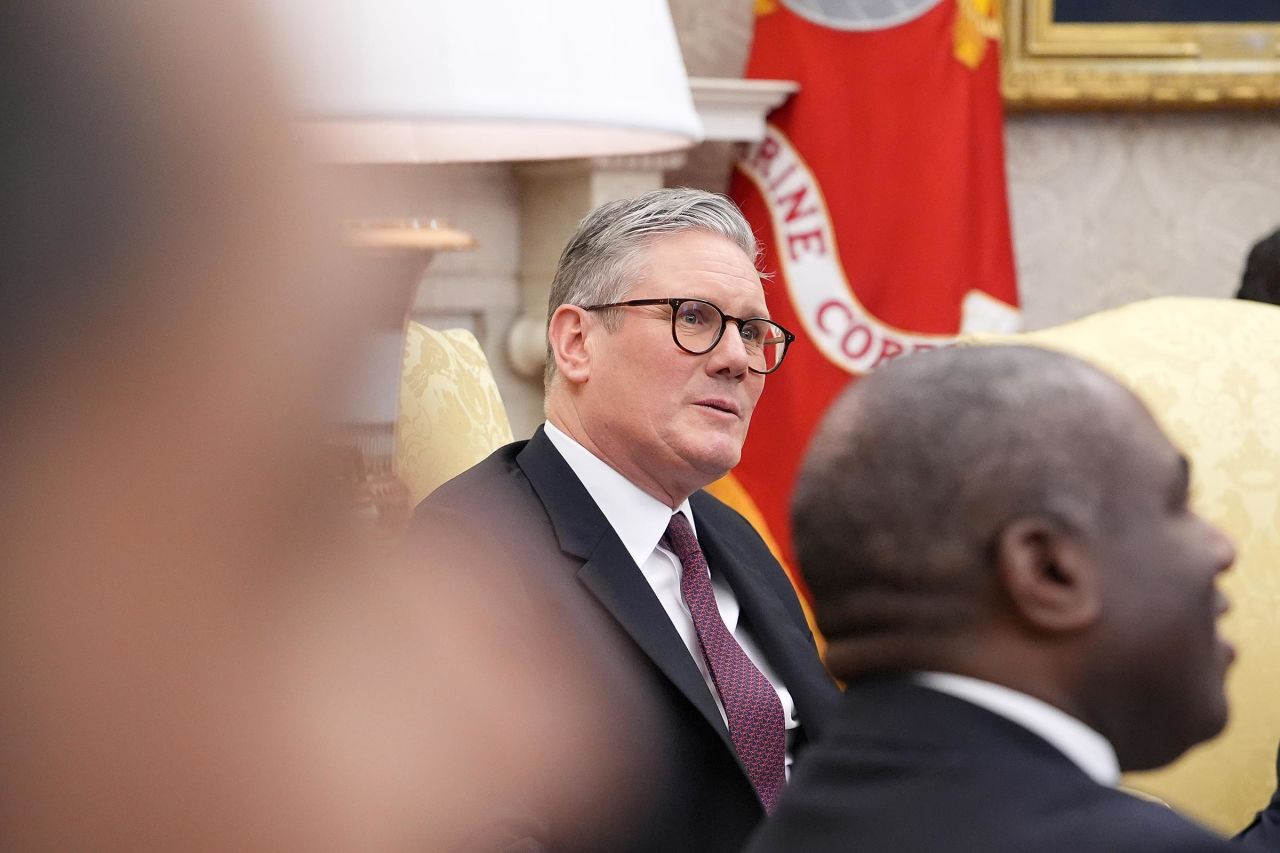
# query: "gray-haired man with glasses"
{"type": "Point", "coordinates": [659, 341]}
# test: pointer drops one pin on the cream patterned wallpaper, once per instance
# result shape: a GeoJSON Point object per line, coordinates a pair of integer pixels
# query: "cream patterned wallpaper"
{"type": "Point", "coordinates": [715, 35]}
{"type": "Point", "coordinates": [1109, 208]}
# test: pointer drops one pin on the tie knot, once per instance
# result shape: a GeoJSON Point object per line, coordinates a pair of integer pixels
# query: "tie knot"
{"type": "Point", "coordinates": [680, 537]}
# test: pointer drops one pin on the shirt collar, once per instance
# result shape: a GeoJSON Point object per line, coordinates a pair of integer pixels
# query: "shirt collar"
{"type": "Point", "coordinates": [1086, 748]}
{"type": "Point", "coordinates": [639, 519]}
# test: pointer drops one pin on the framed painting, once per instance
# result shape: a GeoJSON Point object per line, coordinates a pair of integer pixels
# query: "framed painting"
{"type": "Point", "coordinates": [1141, 53]}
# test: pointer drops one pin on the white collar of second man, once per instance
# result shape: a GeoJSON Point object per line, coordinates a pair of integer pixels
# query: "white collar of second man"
{"type": "Point", "coordinates": [1085, 747]}
{"type": "Point", "coordinates": [639, 519]}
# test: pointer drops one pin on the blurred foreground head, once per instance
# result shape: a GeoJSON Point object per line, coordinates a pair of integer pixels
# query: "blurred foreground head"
{"type": "Point", "coordinates": [1017, 516]}
{"type": "Point", "coordinates": [196, 652]}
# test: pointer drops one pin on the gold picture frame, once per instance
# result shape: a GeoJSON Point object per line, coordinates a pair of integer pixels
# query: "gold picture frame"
{"type": "Point", "coordinates": [1153, 64]}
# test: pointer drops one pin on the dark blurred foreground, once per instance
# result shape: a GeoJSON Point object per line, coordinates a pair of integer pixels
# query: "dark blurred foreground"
{"type": "Point", "coordinates": [200, 651]}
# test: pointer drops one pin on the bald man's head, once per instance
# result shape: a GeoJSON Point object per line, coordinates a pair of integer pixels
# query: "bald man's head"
{"type": "Point", "coordinates": [919, 467]}
{"type": "Point", "coordinates": [1017, 516]}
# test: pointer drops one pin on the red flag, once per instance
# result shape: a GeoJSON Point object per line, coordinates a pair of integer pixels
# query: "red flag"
{"type": "Point", "coordinates": [879, 195]}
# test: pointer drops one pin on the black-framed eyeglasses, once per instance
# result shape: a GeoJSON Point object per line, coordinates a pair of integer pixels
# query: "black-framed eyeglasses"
{"type": "Point", "coordinates": [697, 326]}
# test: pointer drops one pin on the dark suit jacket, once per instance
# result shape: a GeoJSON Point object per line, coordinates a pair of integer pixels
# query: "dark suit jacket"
{"type": "Point", "coordinates": [906, 769]}
{"type": "Point", "coordinates": [529, 508]}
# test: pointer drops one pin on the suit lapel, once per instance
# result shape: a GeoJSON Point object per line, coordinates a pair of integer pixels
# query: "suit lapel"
{"type": "Point", "coordinates": [610, 574]}
{"type": "Point", "coordinates": [614, 579]}
{"type": "Point", "coordinates": [787, 648]}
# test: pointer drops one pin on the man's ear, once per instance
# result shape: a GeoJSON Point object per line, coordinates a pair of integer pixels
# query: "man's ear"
{"type": "Point", "coordinates": [1048, 575]}
{"type": "Point", "coordinates": [567, 334]}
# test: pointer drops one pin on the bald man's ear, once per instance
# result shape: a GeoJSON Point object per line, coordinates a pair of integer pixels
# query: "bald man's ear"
{"type": "Point", "coordinates": [1048, 575]}
{"type": "Point", "coordinates": [567, 334]}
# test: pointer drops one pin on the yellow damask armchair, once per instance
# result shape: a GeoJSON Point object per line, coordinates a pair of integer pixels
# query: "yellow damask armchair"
{"type": "Point", "coordinates": [1210, 371]}
{"type": "Point", "coordinates": [451, 415]}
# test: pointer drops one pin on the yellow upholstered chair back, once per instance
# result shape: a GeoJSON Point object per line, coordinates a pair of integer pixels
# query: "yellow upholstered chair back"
{"type": "Point", "coordinates": [451, 415]}
{"type": "Point", "coordinates": [1210, 371]}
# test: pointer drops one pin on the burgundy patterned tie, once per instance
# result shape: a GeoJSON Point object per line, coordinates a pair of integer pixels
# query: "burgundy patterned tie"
{"type": "Point", "coordinates": [755, 714]}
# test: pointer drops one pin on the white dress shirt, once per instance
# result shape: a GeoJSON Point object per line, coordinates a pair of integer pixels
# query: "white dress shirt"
{"type": "Point", "coordinates": [641, 520]}
{"type": "Point", "coordinates": [1090, 751]}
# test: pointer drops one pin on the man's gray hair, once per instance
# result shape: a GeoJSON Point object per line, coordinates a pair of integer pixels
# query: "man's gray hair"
{"type": "Point", "coordinates": [605, 256]}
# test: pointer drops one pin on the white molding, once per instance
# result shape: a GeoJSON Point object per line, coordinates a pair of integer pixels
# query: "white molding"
{"type": "Point", "coordinates": [733, 109]}
{"type": "Point", "coordinates": [663, 161]}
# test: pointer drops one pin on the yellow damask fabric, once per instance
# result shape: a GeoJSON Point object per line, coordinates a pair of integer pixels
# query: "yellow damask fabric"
{"type": "Point", "coordinates": [451, 415]}
{"type": "Point", "coordinates": [1210, 371]}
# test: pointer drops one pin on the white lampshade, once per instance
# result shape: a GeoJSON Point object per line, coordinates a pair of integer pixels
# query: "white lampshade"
{"type": "Point", "coordinates": [416, 81]}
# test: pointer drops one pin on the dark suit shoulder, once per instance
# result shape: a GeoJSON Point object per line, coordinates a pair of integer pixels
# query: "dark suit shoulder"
{"type": "Point", "coordinates": [1139, 825]}
{"type": "Point", "coordinates": [487, 517]}
{"type": "Point", "coordinates": [947, 808]}
{"type": "Point", "coordinates": [906, 769]}
{"type": "Point", "coordinates": [477, 486]}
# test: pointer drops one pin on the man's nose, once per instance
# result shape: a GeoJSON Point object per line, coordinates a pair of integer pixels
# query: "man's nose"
{"type": "Point", "coordinates": [1222, 547]}
{"type": "Point", "coordinates": [730, 353]}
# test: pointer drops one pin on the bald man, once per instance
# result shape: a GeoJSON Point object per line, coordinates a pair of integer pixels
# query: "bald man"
{"type": "Point", "coordinates": [1023, 602]}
